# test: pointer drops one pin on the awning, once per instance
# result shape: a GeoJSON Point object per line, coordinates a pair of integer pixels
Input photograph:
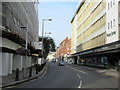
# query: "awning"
{"type": "Point", "coordinates": [35, 55]}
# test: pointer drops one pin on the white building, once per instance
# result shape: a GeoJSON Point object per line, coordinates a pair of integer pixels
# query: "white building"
{"type": "Point", "coordinates": [13, 16]}
{"type": "Point", "coordinates": [51, 56]}
{"type": "Point", "coordinates": [112, 21]}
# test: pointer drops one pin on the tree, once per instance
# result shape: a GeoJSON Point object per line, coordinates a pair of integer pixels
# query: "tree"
{"type": "Point", "coordinates": [48, 44]}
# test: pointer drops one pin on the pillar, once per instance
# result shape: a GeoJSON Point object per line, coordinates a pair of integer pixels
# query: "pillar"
{"type": "Point", "coordinates": [0, 63]}
{"type": "Point", "coordinates": [10, 63]}
{"type": "Point", "coordinates": [29, 61]}
{"type": "Point", "coordinates": [24, 62]}
{"type": "Point", "coordinates": [17, 62]}
{"type": "Point", "coordinates": [5, 61]}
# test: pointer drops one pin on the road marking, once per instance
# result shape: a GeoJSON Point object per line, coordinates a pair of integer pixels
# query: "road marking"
{"type": "Point", "coordinates": [89, 68]}
{"type": "Point", "coordinates": [78, 75]}
{"type": "Point", "coordinates": [77, 70]}
{"type": "Point", "coordinates": [80, 84]}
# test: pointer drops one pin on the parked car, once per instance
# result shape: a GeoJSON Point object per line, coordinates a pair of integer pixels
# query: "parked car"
{"type": "Point", "coordinates": [61, 63]}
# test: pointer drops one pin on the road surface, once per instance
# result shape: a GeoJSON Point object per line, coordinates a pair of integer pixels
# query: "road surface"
{"type": "Point", "coordinates": [71, 76]}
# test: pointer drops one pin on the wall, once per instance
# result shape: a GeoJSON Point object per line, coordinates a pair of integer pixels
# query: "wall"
{"type": "Point", "coordinates": [91, 25]}
{"type": "Point", "coordinates": [6, 66]}
{"type": "Point", "coordinates": [14, 15]}
{"type": "Point", "coordinates": [10, 63]}
{"type": "Point", "coordinates": [17, 62]}
{"type": "Point", "coordinates": [112, 21]}
{"type": "Point", "coordinates": [19, 14]}
{"type": "Point", "coordinates": [74, 35]}
{"type": "Point", "coordinates": [1, 63]}
{"type": "Point", "coordinates": [9, 44]}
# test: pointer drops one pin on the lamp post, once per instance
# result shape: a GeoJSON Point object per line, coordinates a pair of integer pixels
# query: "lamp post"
{"type": "Point", "coordinates": [43, 34]}
{"type": "Point", "coordinates": [26, 41]}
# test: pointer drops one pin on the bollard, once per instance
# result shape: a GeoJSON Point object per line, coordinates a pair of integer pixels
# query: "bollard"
{"type": "Point", "coordinates": [30, 72]}
{"type": "Point", "coordinates": [17, 75]}
{"type": "Point", "coordinates": [36, 69]}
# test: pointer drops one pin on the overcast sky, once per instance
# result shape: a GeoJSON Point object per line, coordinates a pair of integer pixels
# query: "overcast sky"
{"type": "Point", "coordinates": [61, 14]}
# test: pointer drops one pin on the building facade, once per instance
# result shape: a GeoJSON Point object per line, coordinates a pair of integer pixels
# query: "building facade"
{"type": "Point", "coordinates": [97, 25]}
{"type": "Point", "coordinates": [16, 19]}
{"type": "Point", "coordinates": [64, 49]}
{"type": "Point", "coordinates": [51, 56]}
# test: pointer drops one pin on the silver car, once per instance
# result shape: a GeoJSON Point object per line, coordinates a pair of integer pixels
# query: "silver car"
{"type": "Point", "coordinates": [61, 63]}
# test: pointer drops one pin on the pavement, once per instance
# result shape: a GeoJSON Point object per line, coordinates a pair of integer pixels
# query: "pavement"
{"type": "Point", "coordinates": [72, 76]}
{"type": "Point", "coordinates": [109, 72]}
{"type": "Point", "coordinates": [9, 80]}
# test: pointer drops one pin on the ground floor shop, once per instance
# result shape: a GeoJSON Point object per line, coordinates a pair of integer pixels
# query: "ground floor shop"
{"type": "Point", "coordinates": [106, 56]}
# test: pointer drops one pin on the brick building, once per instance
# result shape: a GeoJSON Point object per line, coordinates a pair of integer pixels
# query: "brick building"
{"type": "Point", "coordinates": [64, 49]}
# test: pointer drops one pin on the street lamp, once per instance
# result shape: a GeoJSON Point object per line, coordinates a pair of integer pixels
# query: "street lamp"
{"type": "Point", "coordinates": [43, 33]}
{"type": "Point", "coordinates": [26, 41]}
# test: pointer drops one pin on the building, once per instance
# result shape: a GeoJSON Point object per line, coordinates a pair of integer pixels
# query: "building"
{"type": "Point", "coordinates": [51, 56]}
{"type": "Point", "coordinates": [16, 18]}
{"type": "Point", "coordinates": [64, 49]}
{"type": "Point", "coordinates": [97, 26]}
{"type": "Point", "coordinates": [74, 36]}
{"type": "Point", "coordinates": [57, 53]}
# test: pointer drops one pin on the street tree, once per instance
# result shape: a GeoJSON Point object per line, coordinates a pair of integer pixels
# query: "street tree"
{"type": "Point", "coordinates": [48, 45]}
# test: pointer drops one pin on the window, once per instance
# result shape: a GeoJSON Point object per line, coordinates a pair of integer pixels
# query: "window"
{"type": "Point", "coordinates": [111, 24]}
{"type": "Point", "coordinates": [111, 3]}
{"type": "Point", "coordinates": [108, 26]}
{"type": "Point", "coordinates": [114, 23]}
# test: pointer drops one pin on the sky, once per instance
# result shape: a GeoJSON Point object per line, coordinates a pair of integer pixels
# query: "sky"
{"type": "Point", "coordinates": [61, 14]}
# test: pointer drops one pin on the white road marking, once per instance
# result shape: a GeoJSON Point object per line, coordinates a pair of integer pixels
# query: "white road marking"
{"type": "Point", "coordinates": [80, 84]}
{"type": "Point", "coordinates": [77, 70]}
{"type": "Point", "coordinates": [89, 68]}
{"type": "Point", "coordinates": [78, 75]}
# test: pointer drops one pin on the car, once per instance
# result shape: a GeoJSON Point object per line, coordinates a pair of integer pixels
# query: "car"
{"type": "Point", "coordinates": [61, 63]}
{"type": "Point", "coordinates": [53, 61]}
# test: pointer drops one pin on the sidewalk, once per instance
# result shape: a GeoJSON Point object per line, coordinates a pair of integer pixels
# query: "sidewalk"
{"type": "Point", "coordinates": [108, 72]}
{"type": "Point", "coordinates": [9, 80]}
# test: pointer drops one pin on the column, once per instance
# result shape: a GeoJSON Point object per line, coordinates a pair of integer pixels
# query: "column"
{"type": "Point", "coordinates": [17, 62]}
{"type": "Point", "coordinates": [5, 61]}
{"type": "Point", "coordinates": [29, 61]}
{"type": "Point", "coordinates": [10, 63]}
{"type": "Point", "coordinates": [0, 63]}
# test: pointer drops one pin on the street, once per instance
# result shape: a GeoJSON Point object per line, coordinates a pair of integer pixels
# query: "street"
{"type": "Point", "coordinates": [71, 76]}
{"type": "Point", "coordinates": [60, 44]}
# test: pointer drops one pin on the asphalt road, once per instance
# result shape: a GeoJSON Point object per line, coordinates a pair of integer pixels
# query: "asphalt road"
{"type": "Point", "coordinates": [71, 76]}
